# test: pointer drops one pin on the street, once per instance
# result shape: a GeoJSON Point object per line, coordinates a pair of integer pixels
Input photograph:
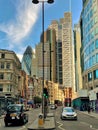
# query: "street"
{"type": "Point", "coordinates": [84, 122]}
{"type": "Point", "coordinates": [32, 116]}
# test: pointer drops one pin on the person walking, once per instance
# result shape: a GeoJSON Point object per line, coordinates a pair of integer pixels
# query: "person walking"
{"type": "Point", "coordinates": [88, 109]}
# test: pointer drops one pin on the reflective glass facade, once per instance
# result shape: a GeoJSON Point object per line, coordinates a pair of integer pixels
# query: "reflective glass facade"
{"type": "Point", "coordinates": [27, 60]}
{"type": "Point", "coordinates": [89, 29]}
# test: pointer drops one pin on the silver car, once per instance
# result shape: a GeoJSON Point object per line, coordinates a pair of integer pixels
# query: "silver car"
{"type": "Point", "coordinates": [68, 113]}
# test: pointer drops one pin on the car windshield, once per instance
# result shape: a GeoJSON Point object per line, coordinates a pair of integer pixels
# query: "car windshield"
{"type": "Point", "coordinates": [68, 110]}
{"type": "Point", "coordinates": [14, 108]}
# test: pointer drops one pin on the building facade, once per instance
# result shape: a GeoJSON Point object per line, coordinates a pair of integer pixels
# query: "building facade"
{"type": "Point", "coordinates": [10, 67]}
{"type": "Point", "coordinates": [64, 51]}
{"type": "Point", "coordinates": [89, 49]}
{"type": "Point", "coordinates": [49, 56]}
{"type": "Point", "coordinates": [27, 60]}
{"type": "Point", "coordinates": [77, 58]}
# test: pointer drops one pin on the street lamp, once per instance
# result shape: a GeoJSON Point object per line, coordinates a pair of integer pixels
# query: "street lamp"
{"type": "Point", "coordinates": [36, 2]}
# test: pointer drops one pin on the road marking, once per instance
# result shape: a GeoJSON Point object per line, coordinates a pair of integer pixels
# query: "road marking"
{"type": "Point", "coordinates": [0, 124]}
{"type": "Point", "coordinates": [60, 126]}
{"type": "Point", "coordinates": [89, 125]}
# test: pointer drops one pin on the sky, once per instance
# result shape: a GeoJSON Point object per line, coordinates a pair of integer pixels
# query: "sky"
{"type": "Point", "coordinates": [21, 21]}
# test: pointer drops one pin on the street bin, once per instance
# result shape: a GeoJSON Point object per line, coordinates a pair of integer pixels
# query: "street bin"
{"type": "Point", "coordinates": [40, 120]}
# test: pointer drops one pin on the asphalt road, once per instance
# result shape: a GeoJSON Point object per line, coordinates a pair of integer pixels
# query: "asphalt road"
{"type": "Point", "coordinates": [32, 116]}
{"type": "Point", "coordinates": [84, 122]}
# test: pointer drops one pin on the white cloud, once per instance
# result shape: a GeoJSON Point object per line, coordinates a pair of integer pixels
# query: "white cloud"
{"type": "Point", "coordinates": [19, 28]}
{"type": "Point", "coordinates": [20, 57]}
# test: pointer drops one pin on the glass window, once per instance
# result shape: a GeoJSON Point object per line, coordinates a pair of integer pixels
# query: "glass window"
{"type": "Point", "coordinates": [97, 57]}
{"type": "Point", "coordinates": [91, 13]}
{"type": "Point", "coordinates": [1, 76]}
{"type": "Point", "coordinates": [95, 74]}
{"type": "Point", "coordinates": [2, 66]}
{"type": "Point", "coordinates": [93, 59]}
{"type": "Point", "coordinates": [93, 46]}
{"type": "Point", "coordinates": [1, 87]}
{"type": "Point", "coordinates": [90, 76]}
{"type": "Point", "coordinates": [90, 62]}
{"type": "Point", "coordinates": [96, 43]}
{"type": "Point", "coordinates": [7, 65]}
{"type": "Point", "coordinates": [96, 19]}
{"type": "Point", "coordinates": [9, 88]}
{"type": "Point", "coordinates": [96, 30]}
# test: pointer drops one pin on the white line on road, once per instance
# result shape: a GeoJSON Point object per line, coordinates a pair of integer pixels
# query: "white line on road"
{"type": "Point", "coordinates": [60, 126]}
{"type": "Point", "coordinates": [91, 127]}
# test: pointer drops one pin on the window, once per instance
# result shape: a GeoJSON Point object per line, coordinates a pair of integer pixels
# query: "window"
{"type": "Point", "coordinates": [1, 87]}
{"type": "Point", "coordinates": [93, 59]}
{"type": "Point", "coordinates": [2, 66]}
{"type": "Point", "coordinates": [96, 44]}
{"type": "Point", "coordinates": [90, 76]}
{"type": "Point", "coordinates": [95, 74]}
{"type": "Point", "coordinates": [7, 65]}
{"type": "Point", "coordinates": [1, 76]}
{"type": "Point", "coordinates": [97, 57]}
{"type": "Point", "coordinates": [2, 55]}
{"type": "Point", "coordinates": [9, 88]}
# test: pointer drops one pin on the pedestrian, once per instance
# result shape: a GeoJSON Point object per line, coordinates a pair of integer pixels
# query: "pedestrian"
{"type": "Point", "coordinates": [88, 109]}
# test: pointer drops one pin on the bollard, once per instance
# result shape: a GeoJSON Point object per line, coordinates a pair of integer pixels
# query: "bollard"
{"type": "Point", "coordinates": [40, 120]}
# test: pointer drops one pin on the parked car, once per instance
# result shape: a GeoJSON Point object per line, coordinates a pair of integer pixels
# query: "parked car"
{"type": "Point", "coordinates": [68, 113]}
{"type": "Point", "coordinates": [15, 113]}
{"type": "Point", "coordinates": [53, 106]}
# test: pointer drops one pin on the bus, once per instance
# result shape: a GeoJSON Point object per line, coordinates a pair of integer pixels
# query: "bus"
{"type": "Point", "coordinates": [67, 102]}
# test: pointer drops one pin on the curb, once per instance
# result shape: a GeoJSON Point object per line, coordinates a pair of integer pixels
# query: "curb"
{"type": "Point", "coordinates": [49, 124]}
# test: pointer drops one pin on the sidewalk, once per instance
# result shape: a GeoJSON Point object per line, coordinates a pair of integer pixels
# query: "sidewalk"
{"type": "Point", "coordinates": [49, 123]}
{"type": "Point", "coordinates": [92, 114]}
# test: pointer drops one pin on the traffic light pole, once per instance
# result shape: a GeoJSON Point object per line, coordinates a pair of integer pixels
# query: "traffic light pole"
{"type": "Point", "coordinates": [43, 58]}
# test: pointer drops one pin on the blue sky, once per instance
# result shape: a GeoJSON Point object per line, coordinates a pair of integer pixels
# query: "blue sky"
{"type": "Point", "coordinates": [21, 21]}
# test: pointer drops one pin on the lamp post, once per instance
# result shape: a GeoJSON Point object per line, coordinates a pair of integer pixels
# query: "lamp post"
{"type": "Point", "coordinates": [36, 2]}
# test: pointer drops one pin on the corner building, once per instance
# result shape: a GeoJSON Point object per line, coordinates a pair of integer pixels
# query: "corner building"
{"type": "Point", "coordinates": [89, 49]}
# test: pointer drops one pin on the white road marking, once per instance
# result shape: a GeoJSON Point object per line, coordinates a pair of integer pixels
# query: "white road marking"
{"type": "Point", "coordinates": [60, 126]}
{"type": "Point", "coordinates": [89, 125]}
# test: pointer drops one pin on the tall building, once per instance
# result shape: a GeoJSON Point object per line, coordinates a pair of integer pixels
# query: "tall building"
{"type": "Point", "coordinates": [64, 51]}
{"type": "Point", "coordinates": [77, 47]}
{"type": "Point", "coordinates": [89, 49]}
{"type": "Point", "coordinates": [27, 60]}
{"type": "Point", "coordinates": [49, 56]}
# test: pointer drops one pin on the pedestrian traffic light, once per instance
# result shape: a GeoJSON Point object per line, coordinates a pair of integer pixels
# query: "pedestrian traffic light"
{"type": "Point", "coordinates": [45, 93]}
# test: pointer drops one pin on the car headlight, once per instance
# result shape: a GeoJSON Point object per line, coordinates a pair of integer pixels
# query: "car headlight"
{"type": "Point", "coordinates": [63, 114]}
{"type": "Point", "coordinates": [75, 114]}
{"type": "Point", "coordinates": [17, 117]}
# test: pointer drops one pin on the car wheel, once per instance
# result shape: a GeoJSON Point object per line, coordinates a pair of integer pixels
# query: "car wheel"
{"type": "Point", "coordinates": [23, 121]}
{"type": "Point", "coordinates": [6, 124]}
{"type": "Point", "coordinates": [27, 119]}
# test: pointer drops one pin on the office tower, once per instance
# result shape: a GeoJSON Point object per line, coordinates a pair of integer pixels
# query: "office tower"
{"type": "Point", "coordinates": [89, 49]}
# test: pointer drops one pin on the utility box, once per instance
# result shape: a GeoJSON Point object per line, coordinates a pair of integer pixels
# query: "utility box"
{"type": "Point", "coordinates": [40, 120]}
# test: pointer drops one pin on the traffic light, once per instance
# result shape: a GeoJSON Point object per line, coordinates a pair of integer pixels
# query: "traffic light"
{"type": "Point", "coordinates": [45, 93]}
